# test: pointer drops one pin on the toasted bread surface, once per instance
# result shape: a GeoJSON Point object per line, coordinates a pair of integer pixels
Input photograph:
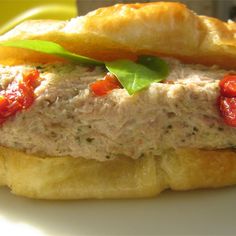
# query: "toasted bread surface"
{"type": "Point", "coordinates": [128, 30]}
{"type": "Point", "coordinates": [78, 178]}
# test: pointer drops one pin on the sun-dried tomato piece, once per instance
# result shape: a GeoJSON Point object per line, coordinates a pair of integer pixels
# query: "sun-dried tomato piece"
{"type": "Point", "coordinates": [228, 110]}
{"type": "Point", "coordinates": [3, 102]}
{"type": "Point", "coordinates": [18, 95]}
{"type": "Point", "coordinates": [103, 87]}
{"type": "Point", "coordinates": [27, 95]}
{"type": "Point", "coordinates": [30, 77]}
{"type": "Point", "coordinates": [228, 86]}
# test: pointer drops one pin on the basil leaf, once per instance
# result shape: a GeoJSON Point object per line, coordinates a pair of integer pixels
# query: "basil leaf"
{"type": "Point", "coordinates": [137, 76]}
{"type": "Point", "coordinates": [156, 64]}
{"type": "Point", "coordinates": [50, 48]}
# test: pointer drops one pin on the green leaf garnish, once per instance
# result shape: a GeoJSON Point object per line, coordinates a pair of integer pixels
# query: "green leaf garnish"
{"type": "Point", "coordinates": [50, 48]}
{"type": "Point", "coordinates": [156, 64]}
{"type": "Point", "coordinates": [134, 76]}
{"type": "Point", "coordinates": [137, 76]}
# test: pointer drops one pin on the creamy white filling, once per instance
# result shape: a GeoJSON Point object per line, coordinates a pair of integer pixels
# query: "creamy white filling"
{"type": "Point", "coordinates": [67, 119]}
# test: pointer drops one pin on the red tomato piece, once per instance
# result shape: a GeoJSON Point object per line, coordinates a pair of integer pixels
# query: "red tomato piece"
{"type": "Point", "coordinates": [12, 109]}
{"type": "Point", "coordinates": [18, 95]}
{"type": "Point", "coordinates": [227, 107]}
{"type": "Point", "coordinates": [228, 86]}
{"type": "Point", "coordinates": [27, 95]}
{"type": "Point", "coordinates": [30, 77]}
{"type": "Point", "coordinates": [3, 102]}
{"type": "Point", "coordinates": [103, 87]}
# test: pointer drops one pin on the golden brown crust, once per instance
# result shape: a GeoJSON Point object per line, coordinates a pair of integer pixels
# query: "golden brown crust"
{"type": "Point", "coordinates": [128, 30]}
{"type": "Point", "coordinates": [78, 178]}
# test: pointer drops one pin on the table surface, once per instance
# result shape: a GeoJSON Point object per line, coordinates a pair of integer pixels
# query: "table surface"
{"type": "Point", "coordinates": [203, 212]}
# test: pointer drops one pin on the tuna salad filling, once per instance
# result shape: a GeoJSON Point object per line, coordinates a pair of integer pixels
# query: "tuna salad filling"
{"type": "Point", "coordinates": [67, 119]}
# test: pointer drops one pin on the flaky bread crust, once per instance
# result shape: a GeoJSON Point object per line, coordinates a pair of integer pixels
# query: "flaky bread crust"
{"type": "Point", "coordinates": [78, 178]}
{"type": "Point", "coordinates": [125, 31]}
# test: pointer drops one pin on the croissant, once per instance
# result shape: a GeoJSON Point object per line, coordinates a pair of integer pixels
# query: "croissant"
{"type": "Point", "coordinates": [139, 167]}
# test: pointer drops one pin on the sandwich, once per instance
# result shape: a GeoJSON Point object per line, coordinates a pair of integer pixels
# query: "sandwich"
{"type": "Point", "coordinates": [124, 102]}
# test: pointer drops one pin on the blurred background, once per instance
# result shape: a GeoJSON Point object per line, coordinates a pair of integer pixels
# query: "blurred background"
{"type": "Point", "coordinates": [224, 9]}
{"type": "Point", "coordinates": [16, 11]}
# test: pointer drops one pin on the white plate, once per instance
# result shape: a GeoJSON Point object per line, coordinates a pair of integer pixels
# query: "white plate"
{"type": "Point", "coordinates": [209, 212]}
